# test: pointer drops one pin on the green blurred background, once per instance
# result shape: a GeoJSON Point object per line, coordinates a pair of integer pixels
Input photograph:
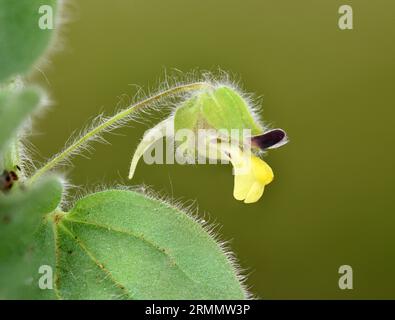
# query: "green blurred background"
{"type": "Point", "coordinates": [332, 199]}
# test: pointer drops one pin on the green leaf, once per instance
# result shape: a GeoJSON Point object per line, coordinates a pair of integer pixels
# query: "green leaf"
{"type": "Point", "coordinates": [15, 108]}
{"type": "Point", "coordinates": [125, 245]}
{"type": "Point", "coordinates": [21, 214]}
{"type": "Point", "coordinates": [22, 41]}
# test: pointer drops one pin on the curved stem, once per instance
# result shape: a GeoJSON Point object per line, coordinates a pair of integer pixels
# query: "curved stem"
{"type": "Point", "coordinates": [111, 121]}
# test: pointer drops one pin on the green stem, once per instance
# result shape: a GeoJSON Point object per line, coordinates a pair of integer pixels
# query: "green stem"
{"type": "Point", "coordinates": [111, 121]}
{"type": "Point", "coordinates": [11, 157]}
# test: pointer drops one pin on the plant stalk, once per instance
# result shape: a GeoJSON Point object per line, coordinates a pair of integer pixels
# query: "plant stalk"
{"type": "Point", "coordinates": [111, 121]}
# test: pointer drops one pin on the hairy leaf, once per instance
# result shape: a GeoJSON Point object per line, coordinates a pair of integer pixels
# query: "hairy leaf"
{"type": "Point", "coordinates": [22, 41]}
{"type": "Point", "coordinates": [124, 245]}
{"type": "Point", "coordinates": [15, 108]}
{"type": "Point", "coordinates": [21, 214]}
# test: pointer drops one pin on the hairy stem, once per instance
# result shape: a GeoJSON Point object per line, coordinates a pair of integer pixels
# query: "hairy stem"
{"type": "Point", "coordinates": [106, 125]}
{"type": "Point", "coordinates": [11, 157]}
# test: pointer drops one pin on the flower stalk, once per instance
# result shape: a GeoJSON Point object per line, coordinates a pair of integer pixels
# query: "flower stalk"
{"type": "Point", "coordinates": [107, 124]}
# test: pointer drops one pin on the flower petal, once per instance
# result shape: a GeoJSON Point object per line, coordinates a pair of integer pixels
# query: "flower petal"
{"type": "Point", "coordinates": [261, 171]}
{"type": "Point", "coordinates": [255, 193]}
{"type": "Point", "coordinates": [161, 130]}
{"type": "Point", "coordinates": [270, 140]}
{"type": "Point", "coordinates": [250, 184]}
{"type": "Point", "coordinates": [242, 185]}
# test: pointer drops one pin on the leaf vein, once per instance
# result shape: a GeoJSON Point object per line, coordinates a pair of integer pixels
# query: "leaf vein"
{"type": "Point", "coordinates": [134, 235]}
{"type": "Point", "coordinates": [95, 260]}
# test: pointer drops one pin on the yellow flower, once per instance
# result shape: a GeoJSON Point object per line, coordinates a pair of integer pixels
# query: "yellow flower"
{"type": "Point", "coordinates": [252, 174]}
